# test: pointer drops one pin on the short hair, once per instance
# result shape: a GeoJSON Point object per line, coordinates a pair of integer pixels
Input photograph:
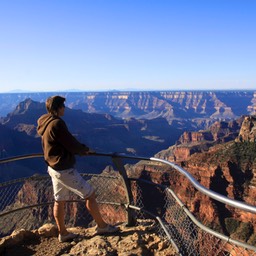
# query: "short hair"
{"type": "Point", "coordinates": [54, 103]}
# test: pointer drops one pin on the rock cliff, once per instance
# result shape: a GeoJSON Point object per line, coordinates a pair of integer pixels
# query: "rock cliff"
{"type": "Point", "coordinates": [228, 168]}
{"type": "Point", "coordinates": [200, 141]}
{"type": "Point", "coordinates": [248, 130]}
{"type": "Point", "coordinates": [150, 104]}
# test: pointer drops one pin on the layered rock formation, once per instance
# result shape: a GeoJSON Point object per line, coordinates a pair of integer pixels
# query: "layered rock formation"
{"type": "Point", "coordinates": [200, 141]}
{"type": "Point", "coordinates": [150, 104]}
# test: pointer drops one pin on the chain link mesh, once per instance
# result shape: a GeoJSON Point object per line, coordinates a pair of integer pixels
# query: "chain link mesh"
{"type": "Point", "coordinates": [189, 238]}
{"type": "Point", "coordinates": [27, 203]}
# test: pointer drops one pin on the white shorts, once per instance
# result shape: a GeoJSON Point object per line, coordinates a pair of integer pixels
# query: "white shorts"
{"type": "Point", "coordinates": [69, 180]}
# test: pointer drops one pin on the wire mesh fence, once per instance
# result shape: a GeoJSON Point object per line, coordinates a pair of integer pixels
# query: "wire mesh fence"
{"type": "Point", "coordinates": [27, 202]}
{"type": "Point", "coordinates": [188, 235]}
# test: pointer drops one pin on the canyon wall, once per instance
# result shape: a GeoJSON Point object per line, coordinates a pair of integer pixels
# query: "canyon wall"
{"type": "Point", "coordinates": [149, 104]}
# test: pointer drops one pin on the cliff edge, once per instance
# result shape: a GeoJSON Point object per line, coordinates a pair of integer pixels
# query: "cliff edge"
{"type": "Point", "coordinates": [138, 240]}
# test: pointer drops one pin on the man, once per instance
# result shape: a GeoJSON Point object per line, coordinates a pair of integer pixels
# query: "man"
{"type": "Point", "coordinates": [60, 148]}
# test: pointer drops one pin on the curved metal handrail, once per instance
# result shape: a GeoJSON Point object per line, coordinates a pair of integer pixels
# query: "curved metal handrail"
{"type": "Point", "coordinates": [212, 194]}
{"type": "Point", "coordinates": [21, 157]}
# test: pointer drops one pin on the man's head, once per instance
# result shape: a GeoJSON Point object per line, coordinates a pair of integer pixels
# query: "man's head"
{"type": "Point", "coordinates": [54, 103]}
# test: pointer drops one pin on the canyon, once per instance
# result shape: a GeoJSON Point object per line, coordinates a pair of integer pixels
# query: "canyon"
{"type": "Point", "coordinates": [216, 145]}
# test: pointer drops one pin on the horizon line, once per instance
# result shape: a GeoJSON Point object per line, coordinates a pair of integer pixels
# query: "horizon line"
{"type": "Point", "coordinates": [122, 90]}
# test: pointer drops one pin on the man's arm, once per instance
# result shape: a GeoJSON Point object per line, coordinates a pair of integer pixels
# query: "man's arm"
{"type": "Point", "coordinates": [69, 141]}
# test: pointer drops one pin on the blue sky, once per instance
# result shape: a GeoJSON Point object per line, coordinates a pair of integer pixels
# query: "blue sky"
{"type": "Point", "coordinates": [90, 45]}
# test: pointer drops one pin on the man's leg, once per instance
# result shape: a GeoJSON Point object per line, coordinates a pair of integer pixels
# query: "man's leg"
{"type": "Point", "coordinates": [59, 215]}
{"type": "Point", "coordinates": [92, 206]}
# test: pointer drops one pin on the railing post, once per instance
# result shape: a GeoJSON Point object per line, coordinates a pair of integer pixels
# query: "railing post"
{"type": "Point", "coordinates": [131, 220]}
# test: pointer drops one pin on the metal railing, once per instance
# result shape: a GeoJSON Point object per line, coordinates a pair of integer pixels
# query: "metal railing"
{"type": "Point", "coordinates": [123, 198]}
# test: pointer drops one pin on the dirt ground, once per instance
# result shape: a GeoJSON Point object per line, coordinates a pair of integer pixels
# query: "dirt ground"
{"type": "Point", "coordinates": [139, 240]}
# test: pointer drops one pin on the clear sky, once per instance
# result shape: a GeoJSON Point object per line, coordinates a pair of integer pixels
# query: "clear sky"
{"type": "Point", "coordinates": [50, 45]}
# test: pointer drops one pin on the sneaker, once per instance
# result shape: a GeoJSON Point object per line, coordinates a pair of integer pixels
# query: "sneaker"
{"type": "Point", "coordinates": [107, 230]}
{"type": "Point", "coordinates": [65, 238]}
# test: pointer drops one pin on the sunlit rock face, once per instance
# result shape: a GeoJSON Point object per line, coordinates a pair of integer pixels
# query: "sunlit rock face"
{"type": "Point", "coordinates": [248, 130]}
{"type": "Point", "coordinates": [150, 104]}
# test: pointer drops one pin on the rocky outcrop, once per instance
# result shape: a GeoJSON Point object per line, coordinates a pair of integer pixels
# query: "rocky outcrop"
{"type": "Point", "coordinates": [218, 131]}
{"type": "Point", "coordinates": [195, 137]}
{"type": "Point", "coordinates": [138, 240]}
{"type": "Point", "coordinates": [224, 170]}
{"type": "Point", "coordinates": [248, 130]}
{"type": "Point", "coordinates": [191, 142]}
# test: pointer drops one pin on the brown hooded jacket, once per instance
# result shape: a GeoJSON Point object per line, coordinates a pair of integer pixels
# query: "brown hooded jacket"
{"type": "Point", "coordinates": [59, 145]}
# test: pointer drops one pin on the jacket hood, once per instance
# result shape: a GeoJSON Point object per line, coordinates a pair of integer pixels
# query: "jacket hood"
{"type": "Point", "coordinates": [43, 122]}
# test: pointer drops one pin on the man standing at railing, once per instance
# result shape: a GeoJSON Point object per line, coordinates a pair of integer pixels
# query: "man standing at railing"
{"type": "Point", "coordinates": [60, 148]}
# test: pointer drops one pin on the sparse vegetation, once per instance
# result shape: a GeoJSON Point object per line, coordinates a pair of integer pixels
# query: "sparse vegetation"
{"type": "Point", "coordinates": [242, 153]}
